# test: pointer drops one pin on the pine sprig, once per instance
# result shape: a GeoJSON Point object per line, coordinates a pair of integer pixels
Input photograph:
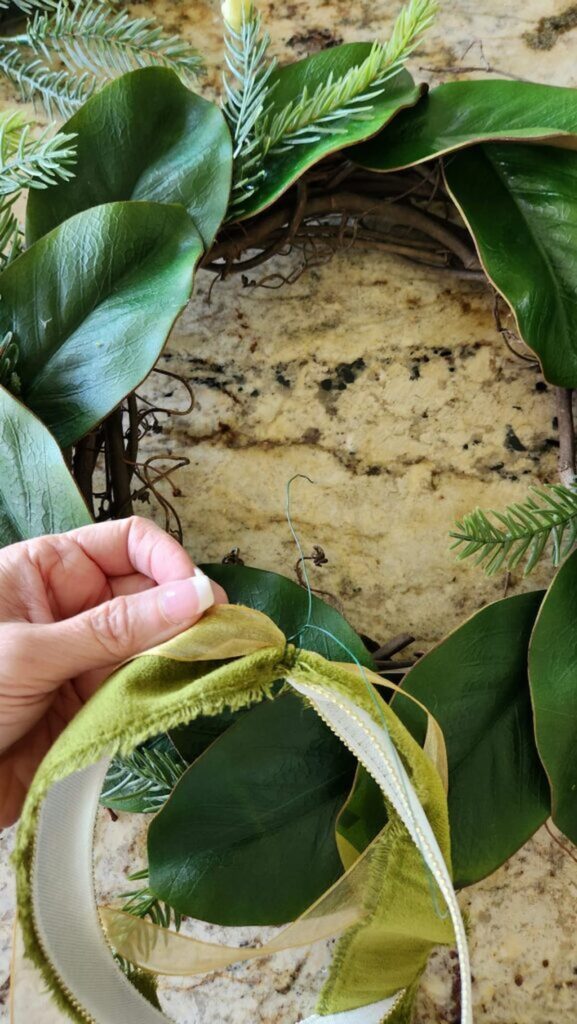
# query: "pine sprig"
{"type": "Point", "coordinates": [32, 162]}
{"type": "Point", "coordinates": [522, 532]}
{"type": "Point", "coordinates": [61, 92]}
{"type": "Point", "coordinates": [259, 130]}
{"type": "Point", "coordinates": [27, 6]}
{"type": "Point", "coordinates": [26, 161]}
{"type": "Point", "coordinates": [145, 777]}
{"type": "Point", "coordinates": [93, 41]}
{"type": "Point", "coordinates": [92, 36]}
{"type": "Point", "coordinates": [143, 903]}
{"type": "Point", "coordinates": [11, 242]}
{"type": "Point", "coordinates": [246, 92]}
{"type": "Point", "coordinates": [353, 94]}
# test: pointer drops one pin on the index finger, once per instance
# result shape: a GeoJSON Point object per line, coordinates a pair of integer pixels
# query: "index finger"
{"type": "Point", "coordinates": [131, 545]}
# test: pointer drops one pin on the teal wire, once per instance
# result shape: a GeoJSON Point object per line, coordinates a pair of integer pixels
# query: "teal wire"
{"type": "Point", "coordinates": [299, 476]}
{"type": "Point", "coordinates": [370, 689]}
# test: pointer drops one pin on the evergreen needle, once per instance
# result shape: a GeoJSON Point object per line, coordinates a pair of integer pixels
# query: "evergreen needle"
{"type": "Point", "coordinates": [260, 129]}
{"type": "Point", "coordinates": [500, 540]}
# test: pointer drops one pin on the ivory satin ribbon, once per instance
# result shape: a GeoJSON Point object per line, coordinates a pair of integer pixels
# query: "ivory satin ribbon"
{"type": "Point", "coordinates": [66, 918]}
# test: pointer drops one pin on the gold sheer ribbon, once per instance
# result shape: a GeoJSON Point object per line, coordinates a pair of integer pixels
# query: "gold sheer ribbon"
{"type": "Point", "coordinates": [228, 632]}
{"type": "Point", "coordinates": [382, 904]}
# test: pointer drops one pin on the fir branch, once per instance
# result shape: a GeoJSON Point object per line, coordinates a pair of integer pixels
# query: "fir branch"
{"type": "Point", "coordinates": [148, 776]}
{"type": "Point", "coordinates": [61, 92]}
{"type": "Point", "coordinates": [143, 903]}
{"type": "Point", "coordinates": [305, 120]}
{"type": "Point", "coordinates": [11, 241]}
{"type": "Point", "coordinates": [353, 94]}
{"type": "Point", "coordinates": [522, 532]}
{"type": "Point", "coordinates": [93, 36]}
{"type": "Point", "coordinates": [246, 92]}
{"type": "Point", "coordinates": [27, 6]}
{"type": "Point", "coordinates": [29, 162]}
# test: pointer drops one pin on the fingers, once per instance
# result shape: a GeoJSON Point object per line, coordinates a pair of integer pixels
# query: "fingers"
{"type": "Point", "coordinates": [136, 582]}
{"type": "Point", "coordinates": [122, 627]}
{"type": "Point", "coordinates": [134, 545]}
{"type": "Point", "coordinates": [132, 583]}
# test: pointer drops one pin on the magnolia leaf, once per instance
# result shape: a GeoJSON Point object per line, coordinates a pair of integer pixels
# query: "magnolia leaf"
{"type": "Point", "coordinates": [90, 306]}
{"type": "Point", "coordinates": [459, 114]}
{"type": "Point", "coordinates": [248, 835]}
{"type": "Point", "coordinates": [361, 818]}
{"type": "Point", "coordinates": [144, 136]}
{"type": "Point", "coordinates": [520, 203]}
{"type": "Point", "coordinates": [37, 493]}
{"type": "Point", "coordinates": [475, 684]}
{"type": "Point", "coordinates": [192, 740]}
{"type": "Point", "coordinates": [286, 603]}
{"type": "Point", "coordinates": [229, 896]}
{"type": "Point", "coordinates": [553, 677]}
{"type": "Point", "coordinates": [287, 84]}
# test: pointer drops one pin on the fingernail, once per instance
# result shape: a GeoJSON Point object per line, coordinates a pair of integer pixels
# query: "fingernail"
{"type": "Point", "coordinates": [183, 600]}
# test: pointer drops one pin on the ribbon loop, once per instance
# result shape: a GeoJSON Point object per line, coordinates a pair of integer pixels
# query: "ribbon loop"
{"type": "Point", "coordinates": [383, 904]}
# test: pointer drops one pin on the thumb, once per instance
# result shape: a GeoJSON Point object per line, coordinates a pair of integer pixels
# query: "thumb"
{"type": "Point", "coordinates": [123, 627]}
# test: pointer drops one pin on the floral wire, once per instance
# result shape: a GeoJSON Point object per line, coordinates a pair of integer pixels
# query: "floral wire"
{"type": "Point", "coordinates": [401, 771]}
{"type": "Point", "coordinates": [299, 476]}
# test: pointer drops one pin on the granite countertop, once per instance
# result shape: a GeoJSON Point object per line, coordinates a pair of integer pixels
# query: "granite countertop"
{"type": "Point", "coordinates": [389, 386]}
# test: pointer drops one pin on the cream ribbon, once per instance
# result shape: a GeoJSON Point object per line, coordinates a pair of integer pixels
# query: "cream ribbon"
{"type": "Point", "coordinates": [65, 912]}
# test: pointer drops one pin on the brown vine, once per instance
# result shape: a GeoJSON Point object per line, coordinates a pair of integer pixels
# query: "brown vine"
{"type": "Point", "coordinates": [335, 206]}
{"type": "Point", "coordinates": [408, 214]}
{"type": "Point", "coordinates": [566, 429]}
{"type": "Point", "coordinates": [106, 462]}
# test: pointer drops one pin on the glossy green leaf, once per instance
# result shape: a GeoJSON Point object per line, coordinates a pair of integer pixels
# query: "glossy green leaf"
{"type": "Point", "coordinates": [37, 493]}
{"type": "Point", "coordinates": [520, 203]}
{"type": "Point", "coordinates": [459, 114]}
{"type": "Point", "coordinates": [90, 306]}
{"type": "Point", "coordinates": [475, 684]}
{"type": "Point", "coordinates": [248, 835]}
{"type": "Point", "coordinates": [286, 603]}
{"type": "Point", "coordinates": [361, 818]}
{"type": "Point", "coordinates": [553, 677]}
{"type": "Point", "coordinates": [191, 740]}
{"type": "Point", "coordinates": [144, 136]}
{"type": "Point", "coordinates": [287, 84]}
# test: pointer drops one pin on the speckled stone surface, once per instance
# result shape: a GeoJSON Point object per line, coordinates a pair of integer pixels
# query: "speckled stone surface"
{"type": "Point", "coordinates": [388, 386]}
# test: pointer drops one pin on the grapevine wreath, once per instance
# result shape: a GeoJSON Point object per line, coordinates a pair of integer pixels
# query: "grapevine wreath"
{"type": "Point", "coordinates": [293, 772]}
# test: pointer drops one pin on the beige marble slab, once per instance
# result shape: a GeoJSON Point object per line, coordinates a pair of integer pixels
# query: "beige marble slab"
{"type": "Point", "coordinates": [390, 388]}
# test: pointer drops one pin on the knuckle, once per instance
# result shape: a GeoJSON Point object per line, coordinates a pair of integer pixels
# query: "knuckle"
{"type": "Point", "coordinates": [138, 525]}
{"type": "Point", "coordinates": [140, 528]}
{"type": "Point", "coordinates": [112, 626]}
{"type": "Point", "coordinates": [142, 534]}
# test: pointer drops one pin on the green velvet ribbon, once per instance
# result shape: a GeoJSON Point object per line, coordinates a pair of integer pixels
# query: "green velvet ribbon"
{"type": "Point", "coordinates": [202, 672]}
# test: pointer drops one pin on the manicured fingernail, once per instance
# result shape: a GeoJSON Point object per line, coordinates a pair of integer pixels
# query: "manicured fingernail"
{"type": "Point", "coordinates": [185, 599]}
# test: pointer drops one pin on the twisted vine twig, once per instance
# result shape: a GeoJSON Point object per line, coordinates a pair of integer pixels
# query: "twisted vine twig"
{"type": "Point", "coordinates": [566, 428]}
{"type": "Point", "coordinates": [335, 205]}
{"type": "Point", "coordinates": [110, 454]}
{"type": "Point", "coordinates": [273, 230]}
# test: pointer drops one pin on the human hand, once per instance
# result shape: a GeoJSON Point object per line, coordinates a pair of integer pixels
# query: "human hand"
{"type": "Point", "coordinates": [72, 607]}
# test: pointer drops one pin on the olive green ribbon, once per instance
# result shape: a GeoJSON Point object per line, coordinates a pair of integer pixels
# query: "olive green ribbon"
{"type": "Point", "coordinates": [388, 905]}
